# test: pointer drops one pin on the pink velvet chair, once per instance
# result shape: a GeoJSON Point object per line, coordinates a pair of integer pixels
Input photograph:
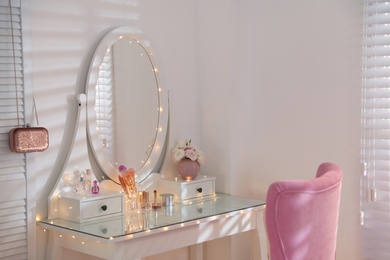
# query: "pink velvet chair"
{"type": "Point", "coordinates": [302, 215]}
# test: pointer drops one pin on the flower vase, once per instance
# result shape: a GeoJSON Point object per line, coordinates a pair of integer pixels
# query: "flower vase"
{"type": "Point", "coordinates": [188, 169]}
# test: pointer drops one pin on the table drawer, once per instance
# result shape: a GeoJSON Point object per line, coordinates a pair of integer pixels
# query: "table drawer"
{"type": "Point", "coordinates": [91, 207]}
{"type": "Point", "coordinates": [188, 191]}
{"type": "Point", "coordinates": [192, 190]}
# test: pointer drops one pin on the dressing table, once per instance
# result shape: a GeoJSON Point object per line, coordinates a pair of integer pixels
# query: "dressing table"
{"type": "Point", "coordinates": [165, 230]}
{"type": "Point", "coordinates": [100, 224]}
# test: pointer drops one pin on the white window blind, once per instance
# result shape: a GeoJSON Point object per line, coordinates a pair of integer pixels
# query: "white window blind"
{"type": "Point", "coordinates": [13, 195]}
{"type": "Point", "coordinates": [104, 109]}
{"type": "Point", "coordinates": [375, 181]}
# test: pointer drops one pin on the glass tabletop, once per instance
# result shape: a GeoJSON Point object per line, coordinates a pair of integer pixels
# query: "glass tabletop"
{"type": "Point", "coordinates": [141, 222]}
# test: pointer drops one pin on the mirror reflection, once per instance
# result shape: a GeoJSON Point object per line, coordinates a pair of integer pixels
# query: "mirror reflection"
{"type": "Point", "coordinates": [126, 104]}
{"type": "Point", "coordinates": [126, 113]}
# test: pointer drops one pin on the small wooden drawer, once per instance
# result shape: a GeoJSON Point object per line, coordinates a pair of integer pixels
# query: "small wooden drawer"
{"type": "Point", "coordinates": [188, 191]}
{"type": "Point", "coordinates": [79, 209]}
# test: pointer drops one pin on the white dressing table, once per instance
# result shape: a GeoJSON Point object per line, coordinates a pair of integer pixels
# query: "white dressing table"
{"type": "Point", "coordinates": [165, 230]}
{"type": "Point", "coordinates": [105, 230]}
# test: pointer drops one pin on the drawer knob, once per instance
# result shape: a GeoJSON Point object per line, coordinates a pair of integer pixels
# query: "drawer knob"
{"type": "Point", "coordinates": [104, 230]}
{"type": "Point", "coordinates": [200, 190]}
{"type": "Point", "coordinates": [104, 207]}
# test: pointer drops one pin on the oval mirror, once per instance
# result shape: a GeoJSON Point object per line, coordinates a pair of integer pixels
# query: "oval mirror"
{"type": "Point", "coordinates": [126, 109]}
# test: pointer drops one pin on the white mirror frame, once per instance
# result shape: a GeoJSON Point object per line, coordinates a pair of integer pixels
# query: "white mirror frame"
{"type": "Point", "coordinates": [157, 153]}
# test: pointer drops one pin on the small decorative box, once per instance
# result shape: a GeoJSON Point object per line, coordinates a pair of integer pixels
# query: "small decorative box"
{"type": "Point", "coordinates": [91, 207]}
{"type": "Point", "coordinates": [201, 188]}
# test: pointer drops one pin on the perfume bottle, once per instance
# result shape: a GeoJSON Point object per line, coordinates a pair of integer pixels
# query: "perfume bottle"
{"type": "Point", "coordinates": [76, 177]}
{"type": "Point", "coordinates": [81, 187]}
{"type": "Point", "coordinates": [88, 178]}
{"type": "Point", "coordinates": [95, 188]}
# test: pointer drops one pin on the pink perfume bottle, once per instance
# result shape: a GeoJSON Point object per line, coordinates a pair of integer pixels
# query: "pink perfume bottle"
{"type": "Point", "coordinates": [95, 188]}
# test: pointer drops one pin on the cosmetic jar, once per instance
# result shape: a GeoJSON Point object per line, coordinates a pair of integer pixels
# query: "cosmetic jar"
{"type": "Point", "coordinates": [167, 199]}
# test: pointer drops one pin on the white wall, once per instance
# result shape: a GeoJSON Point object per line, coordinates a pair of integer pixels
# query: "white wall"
{"type": "Point", "coordinates": [268, 89]}
{"type": "Point", "coordinates": [280, 93]}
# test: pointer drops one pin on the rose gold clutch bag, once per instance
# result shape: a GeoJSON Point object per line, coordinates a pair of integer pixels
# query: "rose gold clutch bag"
{"type": "Point", "coordinates": [28, 139]}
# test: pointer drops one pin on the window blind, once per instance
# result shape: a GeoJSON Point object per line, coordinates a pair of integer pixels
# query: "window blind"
{"type": "Point", "coordinates": [104, 109]}
{"type": "Point", "coordinates": [375, 141]}
{"type": "Point", "coordinates": [13, 195]}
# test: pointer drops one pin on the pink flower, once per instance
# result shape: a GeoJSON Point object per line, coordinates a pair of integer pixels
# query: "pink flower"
{"type": "Point", "coordinates": [191, 154]}
{"type": "Point", "coordinates": [184, 150]}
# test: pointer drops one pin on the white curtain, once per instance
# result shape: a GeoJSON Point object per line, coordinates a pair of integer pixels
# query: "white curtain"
{"type": "Point", "coordinates": [375, 182]}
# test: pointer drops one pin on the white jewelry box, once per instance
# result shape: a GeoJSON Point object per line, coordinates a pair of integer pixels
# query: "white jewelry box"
{"type": "Point", "coordinates": [91, 207]}
{"type": "Point", "coordinates": [184, 191]}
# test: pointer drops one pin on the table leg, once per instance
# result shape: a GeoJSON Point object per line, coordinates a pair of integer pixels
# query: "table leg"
{"type": "Point", "coordinates": [53, 249]}
{"type": "Point", "coordinates": [196, 252]}
{"type": "Point", "coordinates": [260, 237]}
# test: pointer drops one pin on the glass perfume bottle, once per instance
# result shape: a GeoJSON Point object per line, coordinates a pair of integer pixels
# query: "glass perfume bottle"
{"type": "Point", "coordinates": [88, 179]}
{"type": "Point", "coordinates": [76, 179]}
{"type": "Point", "coordinates": [81, 187]}
{"type": "Point", "coordinates": [95, 188]}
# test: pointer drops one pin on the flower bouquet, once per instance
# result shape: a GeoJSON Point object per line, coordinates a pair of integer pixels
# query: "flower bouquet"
{"type": "Point", "coordinates": [188, 159]}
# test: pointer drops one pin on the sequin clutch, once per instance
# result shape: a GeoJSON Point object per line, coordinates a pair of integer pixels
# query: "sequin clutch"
{"type": "Point", "coordinates": [28, 139]}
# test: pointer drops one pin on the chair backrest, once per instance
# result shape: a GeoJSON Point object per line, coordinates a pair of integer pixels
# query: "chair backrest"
{"type": "Point", "coordinates": [302, 216]}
